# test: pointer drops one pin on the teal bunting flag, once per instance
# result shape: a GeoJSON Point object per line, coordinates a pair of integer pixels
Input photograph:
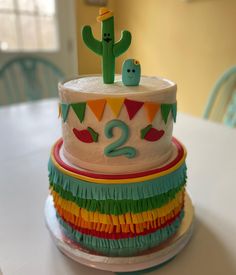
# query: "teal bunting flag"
{"type": "Point", "coordinates": [65, 110]}
{"type": "Point", "coordinates": [79, 109]}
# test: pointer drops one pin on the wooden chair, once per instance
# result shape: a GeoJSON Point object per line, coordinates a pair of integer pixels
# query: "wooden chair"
{"type": "Point", "coordinates": [28, 78]}
{"type": "Point", "coordinates": [221, 105]}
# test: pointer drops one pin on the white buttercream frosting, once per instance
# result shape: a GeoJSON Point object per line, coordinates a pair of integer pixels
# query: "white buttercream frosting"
{"type": "Point", "coordinates": [91, 156]}
{"type": "Point", "coordinates": [94, 84]}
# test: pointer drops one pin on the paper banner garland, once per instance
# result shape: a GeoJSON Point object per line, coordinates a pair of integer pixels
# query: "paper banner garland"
{"type": "Point", "coordinates": [79, 109]}
{"type": "Point", "coordinates": [115, 104]}
{"type": "Point", "coordinates": [97, 107]}
{"type": "Point", "coordinates": [132, 107]}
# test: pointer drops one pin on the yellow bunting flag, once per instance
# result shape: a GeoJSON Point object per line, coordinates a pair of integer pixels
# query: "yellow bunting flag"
{"type": "Point", "coordinates": [97, 107]}
{"type": "Point", "coordinates": [115, 104]}
{"type": "Point", "coordinates": [151, 110]}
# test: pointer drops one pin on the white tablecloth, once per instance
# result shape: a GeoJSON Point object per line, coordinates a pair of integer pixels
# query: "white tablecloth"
{"type": "Point", "coordinates": [27, 132]}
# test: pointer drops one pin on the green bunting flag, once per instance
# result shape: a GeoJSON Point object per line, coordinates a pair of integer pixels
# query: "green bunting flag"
{"type": "Point", "coordinates": [65, 110]}
{"type": "Point", "coordinates": [165, 110]}
{"type": "Point", "coordinates": [174, 111]}
{"type": "Point", "coordinates": [79, 109]}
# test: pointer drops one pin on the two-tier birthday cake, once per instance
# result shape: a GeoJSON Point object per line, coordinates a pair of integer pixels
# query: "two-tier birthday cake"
{"type": "Point", "coordinates": [117, 176]}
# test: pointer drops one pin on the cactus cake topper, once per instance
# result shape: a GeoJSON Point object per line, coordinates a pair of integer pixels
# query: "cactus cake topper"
{"type": "Point", "coordinates": [107, 48]}
{"type": "Point", "coordinates": [131, 72]}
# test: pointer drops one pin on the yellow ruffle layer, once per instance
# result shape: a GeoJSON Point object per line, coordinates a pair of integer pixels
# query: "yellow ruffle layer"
{"type": "Point", "coordinates": [128, 218]}
{"type": "Point", "coordinates": [120, 228]}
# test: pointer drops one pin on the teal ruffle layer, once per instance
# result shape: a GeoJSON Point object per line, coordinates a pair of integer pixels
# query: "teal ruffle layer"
{"type": "Point", "coordinates": [130, 191]}
{"type": "Point", "coordinates": [122, 247]}
{"type": "Point", "coordinates": [118, 207]}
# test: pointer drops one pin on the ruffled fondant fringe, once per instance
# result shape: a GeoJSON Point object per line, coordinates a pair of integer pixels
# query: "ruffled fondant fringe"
{"type": "Point", "coordinates": [142, 242]}
{"type": "Point", "coordinates": [62, 205]}
{"type": "Point", "coordinates": [129, 191]}
{"type": "Point", "coordinates": [120, 235]}
{"type": "Point", "coordinates": [118, 207]}
{"type": "Point", "coordinates": [80, 224]}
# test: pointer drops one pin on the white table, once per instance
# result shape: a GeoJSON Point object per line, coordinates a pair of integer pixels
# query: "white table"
{"type": "Point", "coordinates": [26, 135]}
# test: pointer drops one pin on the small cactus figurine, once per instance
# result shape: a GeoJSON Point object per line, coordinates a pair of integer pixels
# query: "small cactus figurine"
{"type": "Point", "coordinates": [107, 48]}
{"type": "Point", "coordinates": [131, 72]}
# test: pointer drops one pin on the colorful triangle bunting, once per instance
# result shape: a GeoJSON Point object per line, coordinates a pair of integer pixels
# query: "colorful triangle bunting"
{"type": "Point", "coordinates": [132, 107]}
{"type": "Point", "coordinates": [115, 104]}
{"type": "Point", "coordinates": [165, 110]}
{"type": "Point", "coordinates": [97, 107]}
{"type": "Point", "coordinates": [64, 111]}
{"type": "Point", "coordinates": [174, 111]}
{"type": "Point", "coordinates": [151, 110]}
{"type": "Point", "coordinates": [79, 109]}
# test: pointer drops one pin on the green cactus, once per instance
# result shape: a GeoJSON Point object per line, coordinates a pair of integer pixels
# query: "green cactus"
{"type": "Point", "coordinates": [107, 48]}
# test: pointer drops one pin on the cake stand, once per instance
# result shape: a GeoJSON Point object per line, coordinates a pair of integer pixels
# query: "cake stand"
{"type": "Point", "coordinates": [150, 258]}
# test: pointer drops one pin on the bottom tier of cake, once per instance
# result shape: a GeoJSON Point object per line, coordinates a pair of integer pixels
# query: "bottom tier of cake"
{"type": "Point", "coordinates": [118, 214]}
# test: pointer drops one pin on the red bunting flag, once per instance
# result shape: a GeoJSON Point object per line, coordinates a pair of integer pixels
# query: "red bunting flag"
{"type": "Point", "coordinates": [132, 107]}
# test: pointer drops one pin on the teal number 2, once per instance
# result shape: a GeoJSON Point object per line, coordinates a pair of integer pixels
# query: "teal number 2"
{"type": "Point", "coordinates": [113, 149]}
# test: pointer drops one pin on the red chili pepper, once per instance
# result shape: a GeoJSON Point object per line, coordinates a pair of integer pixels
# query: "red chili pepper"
{"type": "Point", "coordinates": [154, 134]}
{"type": "Point", "coordinates": [83, 135]}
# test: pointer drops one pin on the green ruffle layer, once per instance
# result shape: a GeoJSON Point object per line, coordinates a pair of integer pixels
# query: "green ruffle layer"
{"type": "Point", "coordinates": [122, 247]}
{"type": "Point", "coordinates": [129, 191]}
{"type": "Point", "coordinates": [119, 207]}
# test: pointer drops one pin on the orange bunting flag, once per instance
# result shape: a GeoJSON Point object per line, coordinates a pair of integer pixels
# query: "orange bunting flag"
{"type": "Point", "coordinates": [115, 104]}
{"type": "Point", "coordinates": [97, 107]}
{"type": "Point", "coordinates": [151, 110]}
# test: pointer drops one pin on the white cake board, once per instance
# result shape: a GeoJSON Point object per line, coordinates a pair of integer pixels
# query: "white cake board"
{"type": "Point", "coordinates": [147, 259]}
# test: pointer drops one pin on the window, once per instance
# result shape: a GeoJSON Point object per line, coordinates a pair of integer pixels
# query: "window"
{"type": "Point", "coordinates": [28, 25]}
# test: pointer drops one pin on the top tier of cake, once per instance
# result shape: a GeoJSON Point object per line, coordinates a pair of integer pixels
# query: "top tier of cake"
{"type": "Point", "coordinates": [116, 128]}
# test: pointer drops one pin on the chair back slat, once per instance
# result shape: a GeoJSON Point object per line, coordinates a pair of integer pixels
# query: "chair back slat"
{"type": "Point", "coordinates": [6, 92]}
{"type": "Point", "coordinates": [222, 100]}
{"type": "Point", "coordinates": [28, 78]}
{"type": "Point", "coordinates": [10, 86]}
{"type": "Point", "coordinates": [221, 105]}
{"type": "Point", "coordinates": [15, 82]}
{"type": "Point", "coordinates": [230, 114]}
{"type": "Point", "coordinates": [47, 82]}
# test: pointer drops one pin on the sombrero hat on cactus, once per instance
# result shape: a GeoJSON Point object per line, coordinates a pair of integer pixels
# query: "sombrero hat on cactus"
{"type": "Point", "coordinates": [104, 14]}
